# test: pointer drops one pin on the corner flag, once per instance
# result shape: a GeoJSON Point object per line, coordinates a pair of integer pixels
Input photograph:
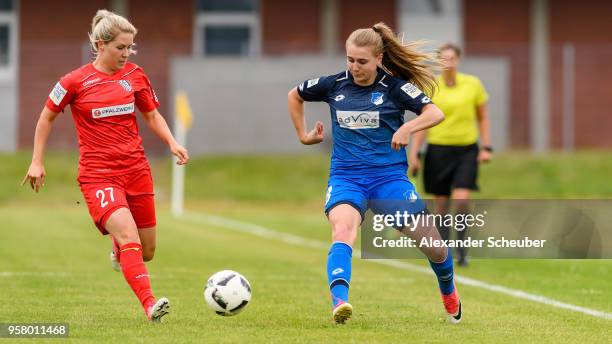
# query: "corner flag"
{"type": "Point", "coordinates": [183, 119]}
{"type": "Point", "coordinates": [183, 110]}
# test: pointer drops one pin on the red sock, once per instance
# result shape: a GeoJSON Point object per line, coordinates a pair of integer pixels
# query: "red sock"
{"type": "Point", "coordinates": [136, 274]}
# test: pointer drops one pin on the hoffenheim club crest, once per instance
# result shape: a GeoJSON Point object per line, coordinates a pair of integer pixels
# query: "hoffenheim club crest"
{"type": "Point", "coordinates": [126, 85]}
{"type": "Point", "coordinates": [377, 98]}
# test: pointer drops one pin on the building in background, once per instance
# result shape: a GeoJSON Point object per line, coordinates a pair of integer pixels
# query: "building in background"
{"type": "Point", "coordinates": [8, 76]}
{"type": "Point", "coordinates": [556, 52]}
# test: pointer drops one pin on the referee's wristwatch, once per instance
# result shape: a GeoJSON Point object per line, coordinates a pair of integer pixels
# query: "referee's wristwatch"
{"type": "Point", "coordinates": [487, 148]}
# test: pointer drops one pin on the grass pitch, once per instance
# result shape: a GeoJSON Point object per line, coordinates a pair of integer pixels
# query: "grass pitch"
{"type": "Point", "coordinates": [54, 265]}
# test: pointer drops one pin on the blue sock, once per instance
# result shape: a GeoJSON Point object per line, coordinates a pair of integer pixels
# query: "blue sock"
{"type": "Point", "coordinates": [339, 271]}
{"type": "Point", "coordinates": [444, 272]}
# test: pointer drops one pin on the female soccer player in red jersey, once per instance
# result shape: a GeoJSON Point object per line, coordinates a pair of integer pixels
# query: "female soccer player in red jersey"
{"type": "Point", "coordinates": [114, 174]}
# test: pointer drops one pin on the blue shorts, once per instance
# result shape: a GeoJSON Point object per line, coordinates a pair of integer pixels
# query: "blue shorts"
{"type": "Point", "coordinates": [384, 193]}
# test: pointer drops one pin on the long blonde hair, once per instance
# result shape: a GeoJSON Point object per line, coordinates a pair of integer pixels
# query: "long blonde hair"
{"type": "Point", "coordinates": [106, 25]}
{"type": "Point", "coordinates": [403, 60]}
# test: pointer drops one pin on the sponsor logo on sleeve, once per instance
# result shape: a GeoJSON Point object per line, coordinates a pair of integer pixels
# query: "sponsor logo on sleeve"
{"type": "Point", "coordinates": [425, 100]}
{"type": "Point", "coordinates": [411, 90]}
{"type": "Point", "coordinates": [301, 87]}
{"type": "Point", "coordinates": [377, 98]}
{"type": "Point", "coordinates": [57, 94]}
{"type": "Point", "coordinates": [339, 97]}
{"type": "Point", "coordinates": [358, 119]}
{"type": "Point", "coordinates": [312, 82]}
{"type": "Point", "coordinates": [115, 110]}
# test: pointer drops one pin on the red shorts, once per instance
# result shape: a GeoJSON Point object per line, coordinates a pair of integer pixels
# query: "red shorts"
{"type": "Point", "coordinates": [134, 191]}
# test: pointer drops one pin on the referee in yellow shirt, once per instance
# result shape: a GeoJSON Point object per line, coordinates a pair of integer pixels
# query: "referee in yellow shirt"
{"type": "Point", "coordinates": [453, 150]}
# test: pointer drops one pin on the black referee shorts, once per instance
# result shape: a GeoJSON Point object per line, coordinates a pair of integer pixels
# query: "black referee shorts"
{"type": "Point", "coordinates": [450, 167]}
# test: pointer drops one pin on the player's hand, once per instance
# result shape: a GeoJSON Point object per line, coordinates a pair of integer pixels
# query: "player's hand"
{"type": "Point", "coordinates": [400, 139]}
{"type": "Point", "coordinates": [36, 176]}
{"type": "Point", "coordinates": [314, 136]}
{"type": "Point", "coordinates": [181, 153]}
{"type": "Point", "coordinates": [414, 165]}
{"type": "Point", "coordinates": [484, 156]}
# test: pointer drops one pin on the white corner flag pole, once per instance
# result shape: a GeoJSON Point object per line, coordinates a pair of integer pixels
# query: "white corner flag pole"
{"type": "Point", "coordinates": [182, 122]}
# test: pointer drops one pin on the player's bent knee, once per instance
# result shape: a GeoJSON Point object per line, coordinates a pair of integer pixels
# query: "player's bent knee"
{"type": "Point", "coordinates": [121, 225]}
{"type": "Point", "coordinates": [125, 237]}
{"type": "Point", "coordinates": [438, 254]}
{"type": "Point", "coordinates": [343, 232]}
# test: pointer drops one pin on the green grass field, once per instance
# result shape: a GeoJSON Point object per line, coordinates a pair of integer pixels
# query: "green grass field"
{"type": "Point", "coordinates": [54, 264]}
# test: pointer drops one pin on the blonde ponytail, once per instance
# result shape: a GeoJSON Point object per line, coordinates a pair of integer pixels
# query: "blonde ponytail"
{"type": "Point", "coordinates": [403, 60]}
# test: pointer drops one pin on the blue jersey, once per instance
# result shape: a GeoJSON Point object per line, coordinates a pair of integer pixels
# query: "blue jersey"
{"type": "Point", "coordinates": [364, 118]}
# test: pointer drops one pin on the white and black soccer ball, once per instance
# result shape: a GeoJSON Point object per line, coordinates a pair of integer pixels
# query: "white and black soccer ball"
{"type": "Point", "coordinates": [227, 292]}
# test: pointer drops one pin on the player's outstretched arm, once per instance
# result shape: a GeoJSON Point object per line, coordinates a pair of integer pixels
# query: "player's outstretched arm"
{"type": "Point", "coordinates": [430, 116]}
{"type": "Point", "coordinates": [36, 171]}
{"type": "Point", "coordinates": [158, 125]}
{"type": "Point", "coordinates": [296, 110]}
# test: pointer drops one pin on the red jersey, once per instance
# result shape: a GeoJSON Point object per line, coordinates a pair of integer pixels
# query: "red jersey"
{"type": "Point", "coordinates": [103, 108]}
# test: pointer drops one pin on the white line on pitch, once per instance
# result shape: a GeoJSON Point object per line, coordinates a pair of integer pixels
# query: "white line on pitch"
{"type": "Point", "coordinates": [264, 232]}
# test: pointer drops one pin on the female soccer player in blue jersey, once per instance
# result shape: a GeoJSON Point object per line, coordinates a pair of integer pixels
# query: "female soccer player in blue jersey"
{"type": "Point", "coordinates": [384, 78]}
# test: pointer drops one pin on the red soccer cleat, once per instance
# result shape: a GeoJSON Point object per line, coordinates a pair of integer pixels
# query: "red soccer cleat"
{"type": "Point", "coordinates": [452, 304]}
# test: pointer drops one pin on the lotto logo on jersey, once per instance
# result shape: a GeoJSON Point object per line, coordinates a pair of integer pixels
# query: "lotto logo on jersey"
{"type": "Point", "coordinates": [115, 110]}
{"type": "Point", "coordinates": [89, 82]}
{"type": "Point", "coordinates": [57, 94]}
{"type": "Point", "coordinates": [358, 119]}
{"type": "Point", "coordinates": [411, 90]}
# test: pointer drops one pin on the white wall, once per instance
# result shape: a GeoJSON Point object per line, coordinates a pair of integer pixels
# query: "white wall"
{"type": "Point", "coordinates": [240, 105]}
{"type": "Point", "coordinates": [418, 21]}
{"type": "Point", "coordinates": [8, 85]}
{"type": "Point", "coordinates": [8, 115]}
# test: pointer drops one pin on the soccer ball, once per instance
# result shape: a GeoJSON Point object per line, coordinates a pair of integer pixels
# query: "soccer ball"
{"type": "Point", "coordinates": [227, 292]}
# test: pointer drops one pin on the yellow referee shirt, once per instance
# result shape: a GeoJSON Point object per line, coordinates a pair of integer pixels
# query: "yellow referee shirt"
{"type": "Point", "coordinates": [459, 103]}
